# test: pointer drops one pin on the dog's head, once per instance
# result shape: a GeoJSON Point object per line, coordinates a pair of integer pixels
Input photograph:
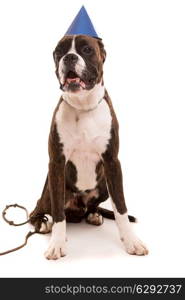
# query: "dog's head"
{"type": "Point", "coordinates": [79, 62]}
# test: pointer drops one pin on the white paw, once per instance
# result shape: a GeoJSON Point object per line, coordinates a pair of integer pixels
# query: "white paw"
{"type": "Point", "coordinates": [56, 250]}
{"type": "Point", "coordinates": [94, 219]}
{"type": "Point", "coordinates": [134, 246]}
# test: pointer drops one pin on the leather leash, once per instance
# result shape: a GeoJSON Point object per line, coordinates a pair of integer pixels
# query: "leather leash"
{"type": "Point", "coordinates": [30, 233]}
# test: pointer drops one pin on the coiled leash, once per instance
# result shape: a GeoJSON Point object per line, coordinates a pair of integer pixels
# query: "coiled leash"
{"type": "Point", "coordinates": [43, 218]}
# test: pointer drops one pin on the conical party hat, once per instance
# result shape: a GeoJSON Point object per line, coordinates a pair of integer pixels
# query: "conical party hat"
{"type": "Point", "coordinates": [82, 25]}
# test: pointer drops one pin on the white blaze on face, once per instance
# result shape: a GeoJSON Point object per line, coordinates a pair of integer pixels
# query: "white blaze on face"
{"type": "Point", "coordinates": [79, 66]}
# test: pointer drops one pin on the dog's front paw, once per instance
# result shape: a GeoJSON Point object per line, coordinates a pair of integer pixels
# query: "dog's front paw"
{"type": "Point", "coordinates": [56, 250]}
{"type": "Point", "coordinates": [134, 246]}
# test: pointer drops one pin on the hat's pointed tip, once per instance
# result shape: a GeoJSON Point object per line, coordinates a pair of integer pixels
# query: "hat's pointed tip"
{"type": "Point", "coordinates": [83, 11]}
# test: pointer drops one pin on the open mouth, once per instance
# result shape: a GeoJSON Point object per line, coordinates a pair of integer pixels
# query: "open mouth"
{"type": "Point", "coordinates": [74, 81]}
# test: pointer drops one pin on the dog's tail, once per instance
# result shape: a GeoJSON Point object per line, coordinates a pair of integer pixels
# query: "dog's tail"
{"type": "Point", "coordinates": [109, 214]}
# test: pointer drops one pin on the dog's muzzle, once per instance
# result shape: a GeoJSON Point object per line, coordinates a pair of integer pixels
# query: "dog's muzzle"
{"type": "Point", "coordinates": [76, 78]}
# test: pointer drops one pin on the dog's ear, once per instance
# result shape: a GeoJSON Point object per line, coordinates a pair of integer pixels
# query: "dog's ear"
{"type": "Point", "coordinates": [55, 56]}
{"type": "Point", "coordinates": [102, 49]}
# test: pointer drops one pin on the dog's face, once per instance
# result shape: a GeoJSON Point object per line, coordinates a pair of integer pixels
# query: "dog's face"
{"type": "Point", "coordinates": [79, 62]}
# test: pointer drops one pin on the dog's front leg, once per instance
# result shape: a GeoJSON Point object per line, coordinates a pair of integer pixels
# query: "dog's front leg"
{"type": "Point", "coordinates": [113, 175]}
{"type": "Point", "coordinates": [56, 176]}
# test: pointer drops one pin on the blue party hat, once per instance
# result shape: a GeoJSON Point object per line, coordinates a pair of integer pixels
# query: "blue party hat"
{"type": "Point", "coordinates": [82, 25]}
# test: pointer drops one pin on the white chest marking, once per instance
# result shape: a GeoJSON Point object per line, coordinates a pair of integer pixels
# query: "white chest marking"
{"type": "Point", "coordinates": [84, 135]}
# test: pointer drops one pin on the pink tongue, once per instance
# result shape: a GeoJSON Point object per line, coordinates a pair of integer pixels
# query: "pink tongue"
{"type": "Point", "coordinates": [73, 79]}
{"type": "Point", "coordinates": [77, 80]}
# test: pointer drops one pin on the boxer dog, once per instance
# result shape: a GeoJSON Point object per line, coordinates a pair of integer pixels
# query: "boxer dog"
{"type": "Point", "coordinates": [84, 169]}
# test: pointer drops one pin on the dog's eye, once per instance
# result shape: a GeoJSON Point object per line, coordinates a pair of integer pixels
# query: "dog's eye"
{"type": "Point", "coordinates": [87, 50]}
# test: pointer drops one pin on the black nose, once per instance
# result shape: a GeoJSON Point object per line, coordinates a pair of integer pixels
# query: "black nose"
{"type": "Point", "coordinates": [70, 59]}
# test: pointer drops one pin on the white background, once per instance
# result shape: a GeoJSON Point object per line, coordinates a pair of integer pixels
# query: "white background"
{"type": "Point", "coordinates": [145, 76]}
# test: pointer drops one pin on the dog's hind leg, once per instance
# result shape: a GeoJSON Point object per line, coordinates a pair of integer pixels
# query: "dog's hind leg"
{"type": "Point", "coordinates": [46, 226]}
{"type": "Point", "coordinates": [93, 215]}
{"type": "Point", "coordinates": [94, 218]}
